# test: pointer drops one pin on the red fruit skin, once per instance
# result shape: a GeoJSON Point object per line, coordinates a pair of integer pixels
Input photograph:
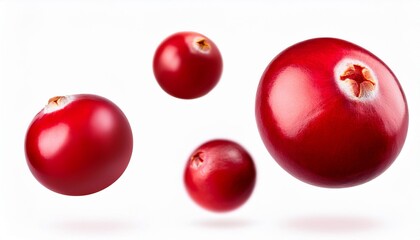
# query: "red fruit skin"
{"type": "Point", "coordinates": [318, 133]}
{"type": "Point", "coordinates": [186, 68]}
{"type": "Point", "coordinates": [81, 148]}
{"type": "Point", "coordinates": [220, 175]}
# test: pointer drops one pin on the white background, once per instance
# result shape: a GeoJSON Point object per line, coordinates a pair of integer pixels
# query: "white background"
{"type": "Point", "coordinates": [61, 47]}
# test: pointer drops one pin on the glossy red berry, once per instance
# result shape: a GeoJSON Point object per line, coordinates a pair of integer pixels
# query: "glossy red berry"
{"type": "Point", "coordinates": [331, 113]}
{"type": "Point", "coordinates": [187, 65]}
{"type": "Point", "coordinates": [220, 175]}
{"type": "Point", "coordinates": [78, 145]}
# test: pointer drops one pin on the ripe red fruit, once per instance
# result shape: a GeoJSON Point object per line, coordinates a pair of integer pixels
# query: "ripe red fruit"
{"type": "Point", "coordinates": [331, 113]}
{"type": "Point", "coordinates": [78, 145]}
{"type": "Point", "coordinates": [187, 65]}
{"type": "Point", "coordinates": [220, 175]}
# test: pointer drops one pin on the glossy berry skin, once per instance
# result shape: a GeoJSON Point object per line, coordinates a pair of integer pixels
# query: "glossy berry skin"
{"type": "Point", "coordinates": [187, 65]}
{"type": "Point", "coordinates": [331, 113]}
{"type": "Point", "coordinates": [220, 175]}
{"type": "Point", "coordinates": [78, 145]}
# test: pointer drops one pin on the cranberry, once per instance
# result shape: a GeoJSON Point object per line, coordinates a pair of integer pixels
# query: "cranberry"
{"type": "Point", "coordinates": [331, 113]}
{"type": "Point", "coordinates": [220, 175]}
{"type": "Point", "coordinates": [187, 65]}
{"type": "Point", "coordinates": [78, 145]}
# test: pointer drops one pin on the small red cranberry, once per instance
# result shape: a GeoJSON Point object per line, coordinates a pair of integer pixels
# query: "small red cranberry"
{"type": "Point", "coordinates": [220, 175]}
{"type": "Point", "coordinates": [187, 65]}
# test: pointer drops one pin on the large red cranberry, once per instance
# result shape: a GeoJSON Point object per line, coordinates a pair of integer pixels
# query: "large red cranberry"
{"type": "Point", "coordinates": [79, 144]}
{"type": "Point", "coordinates": [331, 113]}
